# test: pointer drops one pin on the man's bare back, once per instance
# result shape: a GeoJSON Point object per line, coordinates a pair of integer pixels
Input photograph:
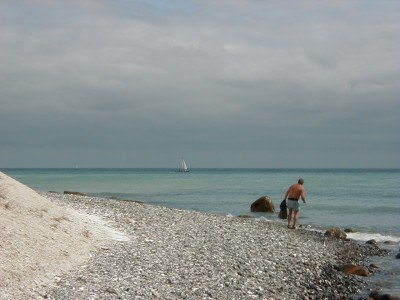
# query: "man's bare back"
{"type": "Point", "coordinates": [295, 191]}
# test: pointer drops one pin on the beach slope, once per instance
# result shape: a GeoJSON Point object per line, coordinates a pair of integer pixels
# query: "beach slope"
{"type": "Point", "coordinates": [40, 240]}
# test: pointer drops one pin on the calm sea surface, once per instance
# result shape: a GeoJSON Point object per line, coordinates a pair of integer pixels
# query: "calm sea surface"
{"type": "Point", "coordinates": [366, 200]}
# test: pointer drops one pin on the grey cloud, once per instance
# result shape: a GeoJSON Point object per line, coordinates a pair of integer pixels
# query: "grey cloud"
{"type": "Point", "coordinates": [215, 79]}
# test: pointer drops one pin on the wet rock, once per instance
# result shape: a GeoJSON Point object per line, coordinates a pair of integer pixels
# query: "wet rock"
{"type": "Point", "coordinates": [263, 204]}
{"type": "Point", "coordinates": [351, 269]}
{"type": "Point", "coordinates": [371, 242]}
{"type": "Point", "coordinates": [375, 295]}
{"type": "Point", "coordinates": [374, 266]}
{"type": "Point", "coordinates": [283, 210]}
{"type": "Point", "coordinates": [282, 214]}
{"type": "Point", "coordinates": [244, 216]}
{"type": "Point", "coordinates": [398, 255]}
{"type": "Point", "coordinates": [74, 193]}
{"type": "Point", "coordinates": [349, 230]}
{"type": "Point", "coordinates": [389, 242]}
{"type": "Point", "coordinates": [336, 232]}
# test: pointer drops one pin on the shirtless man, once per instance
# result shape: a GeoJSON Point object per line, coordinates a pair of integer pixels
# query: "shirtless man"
{"type": "Point", "coordinates": [292, 196]}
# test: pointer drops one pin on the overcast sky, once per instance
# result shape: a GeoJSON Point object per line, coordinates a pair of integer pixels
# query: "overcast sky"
{"type": "Point", "coordinates": [222, 83]}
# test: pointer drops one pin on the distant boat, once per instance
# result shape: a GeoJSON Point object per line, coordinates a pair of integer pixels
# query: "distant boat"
{"type": "Point", "coordinates": [183, 167]}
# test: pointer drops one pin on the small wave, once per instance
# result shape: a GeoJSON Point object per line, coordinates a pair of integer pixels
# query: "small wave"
{"type": "Point", "coordinates": [363, 236]}
{"type": "Point", "coordinates": [263, 219]}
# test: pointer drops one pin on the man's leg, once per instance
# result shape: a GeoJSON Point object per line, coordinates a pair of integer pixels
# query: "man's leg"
{"type": "Point", "coordinates": [289, 217]}
{"type": "Point", "coordinates": [295, 217]}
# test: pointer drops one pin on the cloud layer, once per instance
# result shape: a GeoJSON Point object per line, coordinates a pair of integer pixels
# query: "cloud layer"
{"type": "Point", "coordinates": [223, 83]}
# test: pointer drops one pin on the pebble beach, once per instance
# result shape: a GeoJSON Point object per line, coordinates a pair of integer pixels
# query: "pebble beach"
{"type": "Point", "coordinates": [178, 254]}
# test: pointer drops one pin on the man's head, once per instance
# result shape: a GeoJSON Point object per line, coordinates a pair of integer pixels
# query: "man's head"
{"type": "Point", "coordinates": [301, 181]}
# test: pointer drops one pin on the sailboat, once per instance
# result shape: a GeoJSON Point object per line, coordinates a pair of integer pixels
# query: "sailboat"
{"type": "Point", "coordinates": [183, 167]}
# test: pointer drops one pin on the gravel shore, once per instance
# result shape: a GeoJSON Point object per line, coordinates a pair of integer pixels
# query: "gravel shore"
{"type": "Point", "coordinates": [177, 254]}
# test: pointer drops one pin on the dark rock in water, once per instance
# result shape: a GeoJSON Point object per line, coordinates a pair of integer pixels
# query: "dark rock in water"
{"type": "Point", "coordinates": [398, 255]}
{"type": "Point", "coordinates": [263, 204]}
{"type": "Point", "coordinates": [283, 213]}
{"type": "Point", "coordinates": [336, 232]}
{"type": "Point", "coordinates": [244, 216]}
{"type": "Point", "coordinates": [354, 270]}
{"type": "Point", "coordinates": [371, 242]}
{"type": "Point", "coordinates": [389, 242]}
{"type": "Point", "coordinates": [375, 266]}
{"type": "Point", "coordinates": [375, 295]}
{"type": "Point", "coordinates": [74, 193]}
{"type": "Point", "coordinates": [131, 200]}
{"type": "Point", "coordinates": [349, 230]}
{"type": "Point", "coordinates": [283, 206]}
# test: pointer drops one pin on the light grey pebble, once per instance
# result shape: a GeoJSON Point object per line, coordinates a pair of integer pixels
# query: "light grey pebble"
{"type": "Point", "coordinates": [178, 254]}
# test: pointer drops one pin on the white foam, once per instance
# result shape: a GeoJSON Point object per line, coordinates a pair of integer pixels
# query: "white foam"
{"type": "Point", "coordinates": [362, 236]}
{"type": "Point", "coordinates": [263, 219]}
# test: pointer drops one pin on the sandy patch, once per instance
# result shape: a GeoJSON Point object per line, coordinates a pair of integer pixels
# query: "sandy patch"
{"type": "Point", "coordinates": [40, 240]}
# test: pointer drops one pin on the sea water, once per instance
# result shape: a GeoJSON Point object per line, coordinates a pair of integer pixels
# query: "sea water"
{"type": "Point", "coordinates": [366, 200]}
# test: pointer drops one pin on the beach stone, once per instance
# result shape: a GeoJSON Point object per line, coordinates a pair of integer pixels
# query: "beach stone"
{"type": "Point", "coordinates": [349, 230]}
{"type": "Point", "coordinates": [350, 269]}
{"type": "Point", "coordinates": [389, 242]}
{"type": "Point", "coordinates": [244, 216]}
{"type": "Point", "coordinates": [135, 201]}
{"type": "Point", "coordinates": [263, 204]}
{"type": "Point", "coordinates": [375, 295]}
{"type": "Point", "coordinates": [375, 266]}
{"type": "Point", "coordinates": [336, 232]}
{"type": "Point", "coordinates": [179, 254]}
{"type": "Point", "coordinates": [371, 242]}
{"type": "Point", "coordinates": [74, 193]}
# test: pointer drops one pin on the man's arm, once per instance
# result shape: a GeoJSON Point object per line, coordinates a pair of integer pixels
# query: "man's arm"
{"type": "Point", "coordinates": [303, 196]}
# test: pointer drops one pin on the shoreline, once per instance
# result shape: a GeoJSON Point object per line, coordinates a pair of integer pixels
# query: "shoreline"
{"type": "Point", "coordinates": [177, 253]}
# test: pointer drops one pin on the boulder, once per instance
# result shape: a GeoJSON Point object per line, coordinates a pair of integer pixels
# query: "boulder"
{"type": "Point", "coordinates": [263, 204]}
{"type": "Point", "coordinates": [349, 230]}
{"type": "Point", "coordinates": [336, 232]}
{"type": "Point", "coordinates": [354, 270]}
{"type": "Point", "coordinates": [375, 295]}
{"type": "Point", "coordinates": [74, 193]}
{"type": "Point", "coordinates": [371, 242]}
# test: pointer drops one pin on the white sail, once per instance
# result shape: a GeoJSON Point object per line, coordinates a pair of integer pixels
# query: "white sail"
{"type": "Point", "coordinates": [183, 167]}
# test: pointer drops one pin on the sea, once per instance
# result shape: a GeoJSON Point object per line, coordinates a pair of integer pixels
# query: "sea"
{"type": "Point", "coordinates": [366, 200]}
